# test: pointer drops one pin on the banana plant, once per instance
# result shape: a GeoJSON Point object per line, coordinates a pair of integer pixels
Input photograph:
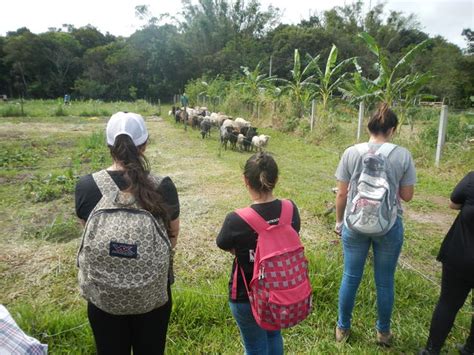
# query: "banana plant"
{"type": "Point", "coordinates": [413, 84]}
{"type": "Point", "coordinates": [331, 79]}
{"type": "Point", "coordinates": [387, 87]}
{"type": "Point", "coordinates": [359, 88]}
{"type": "Point", "coordinates": [254, 82]}
{"type": "Point", "coordinates": [302, 80]}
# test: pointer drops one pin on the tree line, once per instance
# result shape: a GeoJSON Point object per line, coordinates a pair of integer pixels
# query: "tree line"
{"type": "Point", "coordinates": [217, 38]}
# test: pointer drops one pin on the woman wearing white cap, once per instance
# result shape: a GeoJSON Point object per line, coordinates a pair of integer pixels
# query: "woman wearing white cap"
{"type": "Point", "coordinates": [117, 331]}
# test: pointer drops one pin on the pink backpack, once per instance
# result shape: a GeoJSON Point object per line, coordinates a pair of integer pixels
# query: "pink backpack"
{"type": "Point", "coordinates": [280, 291]}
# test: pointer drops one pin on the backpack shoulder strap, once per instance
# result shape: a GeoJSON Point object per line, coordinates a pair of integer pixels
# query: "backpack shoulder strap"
{"type": "Point", "coordinates": [286, 212]}
{"type": "Point", "coordinates": [385, 149]}
{"type": "Point", "coordinates": [104, 182]}
{"type": "Point", "coordinates": [253, 219]}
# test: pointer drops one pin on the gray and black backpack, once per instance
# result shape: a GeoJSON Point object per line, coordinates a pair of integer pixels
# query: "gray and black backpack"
{"type": "Point", "coordinates": [372, 204]}
{"type": "Point", "coordinates": [124, 258]}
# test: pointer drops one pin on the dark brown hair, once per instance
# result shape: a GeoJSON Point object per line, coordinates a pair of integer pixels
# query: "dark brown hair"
{"type": "Point", "coordinates": [137, 170]}
{"type": "Point", "coordinates": [382, 120]}
{"type": "Point", "coordinates": [261, 170]}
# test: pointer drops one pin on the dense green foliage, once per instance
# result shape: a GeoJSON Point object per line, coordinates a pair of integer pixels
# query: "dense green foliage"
{"type": "Point", "coordinates": [218, 37]}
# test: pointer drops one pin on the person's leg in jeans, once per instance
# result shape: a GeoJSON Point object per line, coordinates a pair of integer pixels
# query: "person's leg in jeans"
{"type": "Point", "coordinates": [257, 341]}
{"type": "Point", "coordinates": [274, 342]}
{"type": "Point", "coordinates": [149, 330]}
{"type": "Point", "coordinates": [454, 291]}
{"type": "Point", "coordinates": [112, 333]}
{"type": "Point", "coordinates": [387, 249]}
{"type": "Point", "coordinates": [355, 248]}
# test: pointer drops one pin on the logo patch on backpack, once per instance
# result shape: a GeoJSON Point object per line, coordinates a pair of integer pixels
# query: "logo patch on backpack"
{"type": "Point", "coordinates": [372, 205]}
{"type": "Point", "coordinates": [123, 250]}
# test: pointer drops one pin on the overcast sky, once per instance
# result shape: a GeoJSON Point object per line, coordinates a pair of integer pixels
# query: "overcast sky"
{"type": "Point", "coordinates": [437, 17]}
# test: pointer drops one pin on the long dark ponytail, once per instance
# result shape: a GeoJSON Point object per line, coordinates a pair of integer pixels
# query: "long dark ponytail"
{"type": "Point", "coordinates": [137, 171]}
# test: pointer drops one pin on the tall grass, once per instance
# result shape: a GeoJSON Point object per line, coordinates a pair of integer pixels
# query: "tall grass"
{"type": "Point", "coordinates": [50, 308]}
{"type": "Point", "coordinates": [201, 321]}
{"type": "Point", "coordinates": [89, 108]}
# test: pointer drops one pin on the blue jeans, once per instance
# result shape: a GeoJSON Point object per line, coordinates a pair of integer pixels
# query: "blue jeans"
{"type": "Point", "coordinates": [386, 251]}
{"type": "Point", "coordinates": [257, 341]}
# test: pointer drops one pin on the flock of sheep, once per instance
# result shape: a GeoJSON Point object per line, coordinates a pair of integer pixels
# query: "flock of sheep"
{"type": "Point", "coordinates": [238, 134]}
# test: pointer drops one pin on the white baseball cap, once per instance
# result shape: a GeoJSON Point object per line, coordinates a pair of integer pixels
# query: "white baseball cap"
{"type": "Point", "coordinates": [129, 123]}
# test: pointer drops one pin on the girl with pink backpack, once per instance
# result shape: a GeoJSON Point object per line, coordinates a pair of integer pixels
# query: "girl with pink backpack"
{"type": "Point", "coordinates": [275, 224]}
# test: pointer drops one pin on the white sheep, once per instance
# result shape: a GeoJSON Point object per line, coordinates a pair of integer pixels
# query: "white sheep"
{"type": "Point", "coordinates": [240, 141]}
{"type": "Point", "coordinates": [228, 123]}
{"type": "Point", "coordinates": [260, 142]}
{"type": "Point", "coordinates": [240, 122]}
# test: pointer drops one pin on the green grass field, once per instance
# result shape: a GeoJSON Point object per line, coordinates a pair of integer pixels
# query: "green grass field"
{"type": "Point", "coordinates": [42, 155]}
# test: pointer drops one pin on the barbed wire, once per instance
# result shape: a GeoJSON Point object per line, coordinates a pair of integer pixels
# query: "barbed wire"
{"type": "Point", "coordinates": [406, 265]}
{"type": "Point", "coordinates": [45, 335]}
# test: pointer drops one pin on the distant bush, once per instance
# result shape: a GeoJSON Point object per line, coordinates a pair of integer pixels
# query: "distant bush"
{"type": "Point", "coordinates": [17, 157]}
{"type": "Point", "coordinates": [10, 110]}
{"type": "Point", "coordinates": [460, 128]}
{"type": "Point", "coordinates": [60, 111]}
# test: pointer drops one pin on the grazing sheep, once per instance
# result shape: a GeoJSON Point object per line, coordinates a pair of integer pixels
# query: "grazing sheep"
{"type": "Point", "coordinates": [221, 118]}
{"type": "Point", "coordinates": [178, 113]}
{"type": "Point", "coordinates": [233, 138]}
{"type": "Point", "coordinates": [196, 121]}
{"type": "Point", "coordinates": [228, 123]}
{"type": "Point", "coordinates": [225, 133]}
{"type": "Point", "coordinates": [205, 128]}
{"type": "Point", "coordinates": [240, 123]}
{"type": "Point", "coordinates": [250, 133]}
{"type": "Point", "coordinates": [240, 141]}
{"type": "Point", "coordinates": [260, 142]}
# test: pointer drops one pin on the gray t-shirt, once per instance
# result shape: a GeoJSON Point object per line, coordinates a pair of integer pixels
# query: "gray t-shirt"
{"type": "Point", "coordinates": [400, 159]}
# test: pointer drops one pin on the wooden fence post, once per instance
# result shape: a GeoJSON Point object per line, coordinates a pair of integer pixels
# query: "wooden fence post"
{"type": "Point", "coordinates": [159, 107]}
{"type": "Point", "coordinates": [443, 123]}
{"type": "Point", "coordinates": [361, 120]}
{"type": "Point", "coordinates": [313, 107]}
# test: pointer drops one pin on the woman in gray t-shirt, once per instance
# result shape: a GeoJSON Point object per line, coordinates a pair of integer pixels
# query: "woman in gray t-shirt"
{"type": "Point", "coordinates": [356, 245]}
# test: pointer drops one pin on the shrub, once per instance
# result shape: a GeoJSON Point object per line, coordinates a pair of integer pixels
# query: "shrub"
{"type": "Point", "coordinates": [17, 158]}
{"type": "Point", "coordinates": [458, 130]}
{"type": "Point", "coordinates": [51, 187]}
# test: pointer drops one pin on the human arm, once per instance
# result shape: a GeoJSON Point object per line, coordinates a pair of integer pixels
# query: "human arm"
{"type": "Point", "coordinates": [460, 192]}
{"type": "Point", "coordinates": [225, 238]}
{"type": "Point", "coordinates": [174, 232]}
{"type": "Point", "coordinates": [455, 206]}
{"type": "Point", "coordinates": [407, 182]}
{"type": "Point", "coordinates": [341, 200]}
{"type": "Point", "coordinates": [169, 193]}
{"type": "Point", "coordinates": [406, 192]}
